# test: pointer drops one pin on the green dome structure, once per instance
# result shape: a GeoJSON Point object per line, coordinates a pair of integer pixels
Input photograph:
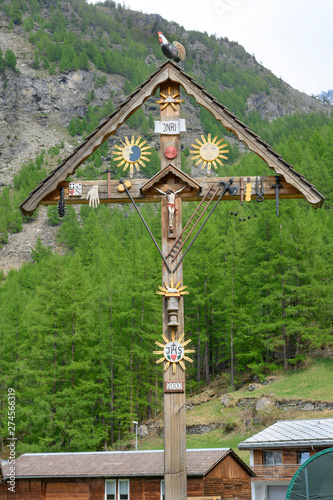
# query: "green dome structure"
{"type": "Point", "coordinates": [314, 479]}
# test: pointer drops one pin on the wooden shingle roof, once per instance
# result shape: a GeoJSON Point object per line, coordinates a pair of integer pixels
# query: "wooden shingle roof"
{"type": "Point", "coordinates": [114, 463]}
{"type": "Point", "coordinates": [289, 433]}
{"type": "Point", "coordinates": [169, 71]}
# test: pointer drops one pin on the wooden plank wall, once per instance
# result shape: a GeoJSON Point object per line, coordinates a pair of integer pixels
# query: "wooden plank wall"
{"type": "Point", "coordinates": [3, 491]}
{"type": "Point", "coordinates": [26, 489]}
{"type": "Point", "coordinates": [228, 468]}
{"type": "Point", "coordinates": [152, 489]}
{"type": "Point", "coordinates": [67, 491]}
{"type": "Point", "coordinates": [257, 457]}
{"type": "Point", "coordinates": [195, 487]}
{"type": "Point", "coordinates": [229, 480]}
{"type": "Point", "coordinates": [36, 489]}
{"type": "Point", "coordinates": [97, 488]}
{"type": "Point", "coordinates": [289, 455]}
{"type": "Point", "coordinates": [137, 488]}
{"type": "Point", "coordinates": [228, 488]}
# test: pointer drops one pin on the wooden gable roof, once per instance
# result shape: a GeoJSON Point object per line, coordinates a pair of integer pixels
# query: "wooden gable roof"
{"type": "Point", "coordinates": [116, 463]}
{"type": "Point", "coordinates": [171, 169]}
{"type": "Point", "coordinates": [170, 71]}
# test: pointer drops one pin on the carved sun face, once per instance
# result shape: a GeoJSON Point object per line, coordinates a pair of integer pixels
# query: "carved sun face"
{"type": "Point", "coordinates": [208, 152]}
{"type": "Point", "coordinates": [132, 154]}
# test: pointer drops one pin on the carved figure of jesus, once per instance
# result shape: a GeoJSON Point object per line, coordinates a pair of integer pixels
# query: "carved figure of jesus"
{"type": "Point", "coordinates": [171, 196]}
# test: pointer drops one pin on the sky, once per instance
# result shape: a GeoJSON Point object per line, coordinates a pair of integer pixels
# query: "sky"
{"type": "Point", "coordinates": [292, 38]}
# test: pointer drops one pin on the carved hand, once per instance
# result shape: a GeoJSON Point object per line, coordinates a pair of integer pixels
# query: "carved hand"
{"type": "Point", "coordinates": [93, 197]}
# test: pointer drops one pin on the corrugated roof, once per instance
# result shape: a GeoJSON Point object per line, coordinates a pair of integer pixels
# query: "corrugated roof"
{"type": "Point", "coordinates": [284, 433]}
{"type": "Point", "coordinates": [114, 464]}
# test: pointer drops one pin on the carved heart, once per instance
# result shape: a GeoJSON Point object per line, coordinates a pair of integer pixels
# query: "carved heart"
{"type": "Point", "coordinates": [173, 357]}
{"type": "Point", "coordinates": [71, 191]}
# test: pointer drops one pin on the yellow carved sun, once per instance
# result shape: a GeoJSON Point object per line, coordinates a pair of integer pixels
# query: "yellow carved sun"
{"type": "Point", "coordinates": [169, 99]}
{"type": "Point", "coordinates": [172, 290]}
{"type": "Point", "coordinates": [132, 154]}
{"type": "Point", "coordinates": [208, 152]}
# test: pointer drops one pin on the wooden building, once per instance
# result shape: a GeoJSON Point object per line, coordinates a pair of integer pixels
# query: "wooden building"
{"type": "Point", "coordinates": [129, 475]}
{"type": "Point", "coordinates": [278, 451]}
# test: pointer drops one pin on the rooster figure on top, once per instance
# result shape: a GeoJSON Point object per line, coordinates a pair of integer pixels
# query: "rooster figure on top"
{"type": "Point", "coordinates": [174, 50]}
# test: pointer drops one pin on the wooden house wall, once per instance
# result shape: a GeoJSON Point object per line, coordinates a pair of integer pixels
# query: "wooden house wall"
{"type": "Point", "coordinates": [229, 480]}
{"type": "Point", "coordinates": [140, 489]}
{"type": "Point", "coordinates": [282, 472]}
{"type": "Point", "coordinates": [25, 489]}
{"type": "Point", "coordinates": [195, 486]}
{"type": "Point", "coordinates": [289, 455]}
{"type": "Point", "coordinates": [97, 488]}
{"type": "Point", "coordinates": [145, 489]}
{"type": "Point", "coordinates": [54, 489]}
{"type": "Point", "coordinates": [67, 491]}
{"type": "Point", "coordinates": [137, 489]}
{"type": "Point", "coordinates": [229, 468]}
{"type": "Point", "coordinates": [257, 457]}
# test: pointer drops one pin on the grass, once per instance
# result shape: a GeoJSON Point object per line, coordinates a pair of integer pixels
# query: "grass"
{"type": "Point", "coordinates": [312, 382]}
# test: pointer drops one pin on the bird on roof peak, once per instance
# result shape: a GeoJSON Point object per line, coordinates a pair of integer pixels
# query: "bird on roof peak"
{"type": "Point", "coordinates": [174, 50]}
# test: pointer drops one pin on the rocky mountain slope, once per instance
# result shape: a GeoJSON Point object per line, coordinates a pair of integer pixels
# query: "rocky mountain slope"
{"type": "Point", "coordinates": [36, 107]}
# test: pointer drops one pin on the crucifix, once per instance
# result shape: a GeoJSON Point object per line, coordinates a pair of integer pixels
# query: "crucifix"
{"type": "Point", "coordinates": [171, 187]}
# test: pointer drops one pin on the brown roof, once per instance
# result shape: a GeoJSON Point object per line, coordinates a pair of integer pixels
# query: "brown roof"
{"type": "Point", "coordinates": [114, 463]}
{"type": "Point", "coordinates": [109, 126]}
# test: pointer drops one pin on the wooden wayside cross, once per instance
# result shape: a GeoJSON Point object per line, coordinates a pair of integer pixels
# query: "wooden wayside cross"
{"type": "Point", "coordinates": [170, 187]}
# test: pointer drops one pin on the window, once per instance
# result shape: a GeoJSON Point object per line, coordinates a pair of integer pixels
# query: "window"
{"type": "Point", "coordinates": [123, 489]}
{"type": "Point", "coordinates": [302, 456]}
{"type": "Point", "coordinates": [273, 457]}
{"type": "Point", "coordinates": [110, 490]}
{"type": "Point", "coordinates": [162, 489]}
{"type": "Point", "coordinates": [117, 490]}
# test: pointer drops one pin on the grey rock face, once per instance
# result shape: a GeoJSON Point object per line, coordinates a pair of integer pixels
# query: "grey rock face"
{"type": "Point", "coordinates": [264, 404]}
{"type": "Point", "coordinates": [142, 431]}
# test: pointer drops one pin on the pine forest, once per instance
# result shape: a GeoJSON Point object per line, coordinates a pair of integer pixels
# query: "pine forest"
{"type": "Point", "coordinates": [78, 326]}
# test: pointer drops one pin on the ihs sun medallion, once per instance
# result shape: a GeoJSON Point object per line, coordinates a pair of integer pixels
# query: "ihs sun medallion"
{"type": "Point", "coordinates": [208, 152]}
{"type": "Point", "coordinates": [132, 154]}
{"type": "Point", "coordinates": [174, 352]}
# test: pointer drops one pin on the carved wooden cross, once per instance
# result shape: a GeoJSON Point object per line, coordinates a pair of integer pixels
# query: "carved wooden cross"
{"type": "Point", "coordinates": [175, 475]}
{"type": "Point", "coordinates": [169, 77]}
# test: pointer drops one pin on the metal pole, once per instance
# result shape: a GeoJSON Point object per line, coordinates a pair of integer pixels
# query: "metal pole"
{"type": "Point", "coordinates": [150, 234]}
{"type": "Point", "coordinates": [136, 434]}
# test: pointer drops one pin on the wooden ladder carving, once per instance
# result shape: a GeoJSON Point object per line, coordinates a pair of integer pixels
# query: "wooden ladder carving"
{"type": "Point", "coordinates": [193, 221]}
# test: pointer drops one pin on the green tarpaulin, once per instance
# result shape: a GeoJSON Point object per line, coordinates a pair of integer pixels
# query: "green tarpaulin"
{"type": "Point", "coordinates": [314, 479]}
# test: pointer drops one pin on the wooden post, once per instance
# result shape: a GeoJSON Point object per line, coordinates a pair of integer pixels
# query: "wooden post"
{"type": "Point", "coordinates": [175, 478]}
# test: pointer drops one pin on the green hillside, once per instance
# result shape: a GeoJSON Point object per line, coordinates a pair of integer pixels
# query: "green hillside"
{"type": "Point", "coordinates": [78, 327]}
{"type": "Point", "coordinates": [235, 423]}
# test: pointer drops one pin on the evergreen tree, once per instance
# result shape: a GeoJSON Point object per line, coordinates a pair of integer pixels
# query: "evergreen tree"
{"type": "Point", "coordinates": [10, 59]}
{"type": "Point", "coordinates": [2, 62]}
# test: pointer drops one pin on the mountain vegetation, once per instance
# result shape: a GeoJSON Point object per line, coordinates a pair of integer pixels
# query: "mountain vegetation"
{"type": "Point", "coordinates": [78, 328]}
{"type": "Point", "coordinates": [217, 418]}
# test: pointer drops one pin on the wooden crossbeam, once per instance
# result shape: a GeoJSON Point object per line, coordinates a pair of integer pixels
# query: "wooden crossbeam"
{"type": "Point", "coordinates": [287, 192]}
